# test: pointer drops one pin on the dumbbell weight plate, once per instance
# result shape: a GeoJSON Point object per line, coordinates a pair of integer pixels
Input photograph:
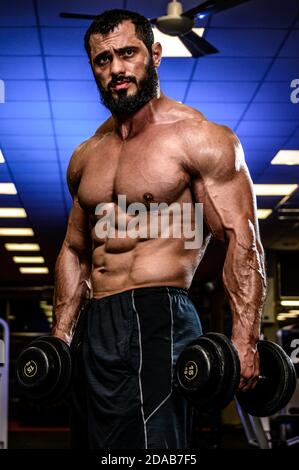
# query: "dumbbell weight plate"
{"type": "Point", "coordinates": [274, 392]}
{"type": "Point", "coordinates": [231, 371]}
{"type": "Point", "coordinates": [200, 373]}
{"type": "Point", "coordinates": [44, 369]}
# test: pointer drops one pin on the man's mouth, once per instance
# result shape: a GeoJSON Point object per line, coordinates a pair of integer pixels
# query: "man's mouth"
{"type": "Point", "coordinates": [121, 84]}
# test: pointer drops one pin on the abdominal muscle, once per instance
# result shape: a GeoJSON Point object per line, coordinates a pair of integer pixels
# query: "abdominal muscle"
{"type": "Point", "coordinates": [123, 264]}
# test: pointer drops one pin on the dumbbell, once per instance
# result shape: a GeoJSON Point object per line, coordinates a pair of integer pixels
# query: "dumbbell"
{"type": "Point", "coordinates": [208, 375]}
{"type": "Point", "coordinates": [44, 369]}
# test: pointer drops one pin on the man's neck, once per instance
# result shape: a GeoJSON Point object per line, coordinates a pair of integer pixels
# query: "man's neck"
{"type": "Point", "coordinates": [129, 126]}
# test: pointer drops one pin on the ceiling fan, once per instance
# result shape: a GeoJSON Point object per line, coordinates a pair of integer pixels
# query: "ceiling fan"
{"type": "Point", "coordinates": [180, 23]}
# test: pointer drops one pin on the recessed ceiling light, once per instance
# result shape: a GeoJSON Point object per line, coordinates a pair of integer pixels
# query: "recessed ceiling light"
{"type": "Point", "coordinates": [2, 159]}
{"type": "Point", "coordinates": [22, 247]}
{"type": "Point", "coordinates": [16, 232]}
{"type": "Point", "coordinates": [172, 46]}
{"type": "Point", "coordinates": [33, 270]}
{"type": "Point", "coordinates": [29, 259]}
{"type": "Point", "coordinates": [263, 213]}
{"type": "Point", "coordinates": [7, 212]}
{"type": "Point", "coordinates": [8, 188]}
{"type": "Point", "coordinates": [274, 189]}
{"type": "Point", "coordinates": [286, 157]}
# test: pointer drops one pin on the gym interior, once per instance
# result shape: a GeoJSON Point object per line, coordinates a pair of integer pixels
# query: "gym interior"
{"type": "Point", "coordinates": [49, 104]}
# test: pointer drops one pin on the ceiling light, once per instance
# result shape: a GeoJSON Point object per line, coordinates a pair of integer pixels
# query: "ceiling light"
{"type": "Point", "coordinates": [7, 188]}
{"type": "Point", "coordinates": [16, 232]}
{"type": "Point", "coordinates": [22, 247]}
{"type": "Point", "coordinates": [263, 213]}
{"type": "Point", "coordinates": [286, 157]}
{"type": "Point", "coordinates": [274, 189]}
{"type": "Point", "coordinates": [33, 270]}
{"type": "Point", "coordinates": [172, 46]}
{"type": "Point", "coordinates": [6, 212]}
{"type": "Point", "coordinates": [289, 303]}
{"type": "Point", "coordinates": [29, 259]}
{"type": "Point", "coordinates": [2, 159]}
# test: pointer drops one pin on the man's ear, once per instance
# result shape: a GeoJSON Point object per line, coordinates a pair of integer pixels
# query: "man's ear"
{"type": "Point", "coordinates": [157, 53]}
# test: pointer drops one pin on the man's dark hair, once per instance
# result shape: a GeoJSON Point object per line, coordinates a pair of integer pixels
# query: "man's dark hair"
{"type": "Point", "coordinates": [110, 19]}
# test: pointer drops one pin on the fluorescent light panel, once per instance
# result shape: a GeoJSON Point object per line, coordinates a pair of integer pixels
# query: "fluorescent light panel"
{"type": "Point", "coordinates": [9, 212]}
{"type": "Point", "coordinates": [289, 303]}
{"type": "Point", "coordinates": [274, 189]}
{"type": "Point", "coordinates": [28, 259]}
{"type": "Point", "coordinates": [286, 157]}
{"type": "Point", "coordinates": [33, 270]}
{"type": "Point", "coordinates": [22, 247]}
{"type": "Point", "coordinates": [7, 188]}
{"type": "Point", "coordinates": [263, 213]}
{"type": "Point", "coordinates": [16, 232]}
{"type": "Point", "coordinates": [171, 45]}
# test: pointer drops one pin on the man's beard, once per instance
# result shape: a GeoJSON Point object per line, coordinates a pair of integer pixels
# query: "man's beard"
{"type": "Point", "coordinates": [126, 105]}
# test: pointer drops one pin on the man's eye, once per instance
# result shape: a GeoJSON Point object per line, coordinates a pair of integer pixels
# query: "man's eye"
{"type": "Point", "coordinates": [129, 52]}
{"type": "Point", "coordinates": [102, 61]}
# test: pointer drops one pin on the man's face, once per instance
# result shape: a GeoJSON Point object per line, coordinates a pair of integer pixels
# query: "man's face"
{"type": "Point", "coordinates": [124, 70]}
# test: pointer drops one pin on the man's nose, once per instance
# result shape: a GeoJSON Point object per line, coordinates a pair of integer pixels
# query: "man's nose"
{"type": "Point", "coordinates": [117, 66]}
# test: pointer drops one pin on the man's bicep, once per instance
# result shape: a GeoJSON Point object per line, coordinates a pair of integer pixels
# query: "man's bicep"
{"type": "Point", "coordinates": [78, 230]}
{"type": "Point", "coordinates": [229, 206]}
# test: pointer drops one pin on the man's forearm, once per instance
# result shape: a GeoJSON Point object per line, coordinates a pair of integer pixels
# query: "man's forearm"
{"type": "Point", "coordinates": [71, 273]}
{"type": "Point", "coordinates": [245, 283]}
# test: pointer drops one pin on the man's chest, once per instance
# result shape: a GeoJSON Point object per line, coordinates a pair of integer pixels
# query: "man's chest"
{"type": "Point", "coordinates": [144, 169]}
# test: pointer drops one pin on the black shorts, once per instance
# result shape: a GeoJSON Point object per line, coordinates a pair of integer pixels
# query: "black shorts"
{"type": "Point", "coordinates": [124, 394]}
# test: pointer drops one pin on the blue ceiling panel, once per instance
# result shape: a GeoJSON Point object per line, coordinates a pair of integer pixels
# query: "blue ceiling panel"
{"type": "Point", "coordinates": [36, 177]}
{"type": "Point", "coordinates": [220, 111]}
{"type": "Point", "coordinates": [21, 67]}
{"type": "Point", "coordinates": [261, 143]}
{"type": "Point", "coordinates": [278, 92]}
{"type": "Point", "coordinates": [30, 142]}
{"type": "Point", "coordinates": [64, 142]}
{"type": "Point", "coordinates": [221, 91]}
{"type": "Point", "coordinates": [230, 69]}
{"type": "Point", "coordinates": [246, 42]}
{"type": "Point", "coordinates": [76, 127]}
{"type": "Point", "coordinates": [79, 110]}
{"type": "Point", "coordinates": [62, 90]}
{"type": "Point", "coordinates": [291, 46]}
{"type": "Point", "coordinates": [272, 111]}
{"type": "Point", "coordinates": [266, 128]}
{"type": "Point", "coordinates": [49, 11]}
{"type": "Point", "coordinates": [176, 68]}
{"type": "Point", "coordinates": [24, 110]}
{"type": "Point", "coordinates": [277, 174]}
{"type": "Point", "coordinates": [256, 14]}
{"type": "Point", "coordinates": [25, 90]}
{"type": "Point", "coordinates": [175, 90]}
{"type": "Point", "coordinates": [292, 143]}
{"type": "Point", "coordinates": [37, 167]}
{"type": "Point", "coordinates": [28, 127]}
{"type": "Point", "coordinates": [284, 70]}
{"type": "Point", "coordinates": [259, 157]}
{"type": "Point", "coordinates": [19, 41]}
{"type": "Point", "coordinates": [64, 41]}
{"type": "Point", "coordinates": [68, 68]}
{"type": "Point", "coordinates": [30, 155]}
{"type": "Point", "coordinates": [17, 13]}
{"type": "Point", "coordinates": [65, 154]}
